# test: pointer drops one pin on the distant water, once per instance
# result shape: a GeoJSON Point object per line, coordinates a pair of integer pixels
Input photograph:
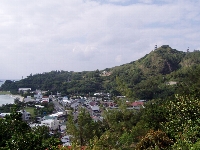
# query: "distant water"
{"type": "Point", "coordinates": [6, 99]}
{"type": "Point", "coordinates": [2, 81]}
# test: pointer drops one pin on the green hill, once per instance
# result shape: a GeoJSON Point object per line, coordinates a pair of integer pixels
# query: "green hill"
{"type": "Point", "coordinates": [146, 77]}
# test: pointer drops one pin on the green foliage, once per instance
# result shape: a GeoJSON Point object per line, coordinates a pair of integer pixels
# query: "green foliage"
{"type": "Point", "coordinates": [16, 134]}
{"type": "Point", "coordinates": [84, 129]}
{"type": "Point", "coordinates": [154, 114]}
{"type": "Point", "coordinates": [154, 140]}
{"type": "Point", "coordinates": [183, 118]}
{"type": "Point", "coordinates": [36, 139]}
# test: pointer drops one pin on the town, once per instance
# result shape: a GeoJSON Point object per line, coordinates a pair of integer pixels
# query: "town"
{"type": "Point", "coordinates": [63, 106]}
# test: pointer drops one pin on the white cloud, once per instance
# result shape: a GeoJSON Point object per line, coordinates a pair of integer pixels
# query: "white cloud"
{"type": "Point", "coordinates": [118, 1]}
{"type": "Point", "coordinates": [118, 58]}
{"type": "Point", "coordinates": [146, 1]}
{"type": "Point", "coordinates": [38, 36]}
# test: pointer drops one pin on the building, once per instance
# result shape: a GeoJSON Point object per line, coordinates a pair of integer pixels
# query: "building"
{"type": "Point", "coordinates": [51, 122]}
{"type": "Point", "coordinates": [26, 116]}
{"type": "Point", "coordinates": [38, 96]}
{"type": "Point", "coordinates": [66, 141]}
{"type": "Point", "coordinates": [45, 99]}
{"type": "Point", "coordinates": [24, 90]}
{"type": "Point", "coordinates": [95, 108]}
{"type": "Point", "coordinates": [137, 105]}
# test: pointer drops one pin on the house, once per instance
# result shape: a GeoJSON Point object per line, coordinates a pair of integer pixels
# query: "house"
{"type": "Point", "coordinates": [137, 104]}
{"type": "Point", "coordinates": [110, 104]}
{"type": "Point", "coordinates": [24, 90]}
{"type": "Point", "coordinates": [58, 114]}
{"type": "Point", "coordinates": [66, 101]}
{"type": "Point", "coordinates": [87, 102]}
{"type": "Point", "coordinates": [45, 99]}
{"type": "Point", "coordinates": [51, 122]}
{"type": "Point", "coordinates": [81, 101]}
{"type": "Point", "coordinates": [65, 140]}
{"type": "Point", "coordinates": [105, 73]}
{"type": "Point", "coordinates": [95, 108]}
{"type": "Point", "coordinates": [38, 95]}
{"type": "Point", "coordinates": [58, 94]}
{"type": "Point", "coordinates": [26, 116]}
{"type": "Point", "coordinates": [74, 104]}
{"type": "Point", "coordinates": [39, 106]}
{"type": "Point", "coordinates": [165, 46]}
{"type": "Point", "coordinates": [92, 103]}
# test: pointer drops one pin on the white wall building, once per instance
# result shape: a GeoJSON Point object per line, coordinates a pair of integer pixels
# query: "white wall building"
{"type": "Point", "coordinates": [95, 108]}
{"type": "Point", "coordinates": [51, 122]}
{"type": "Point", "coordinates": [24, 89]}
{"type": "Point", "coordinates": [45, 99]}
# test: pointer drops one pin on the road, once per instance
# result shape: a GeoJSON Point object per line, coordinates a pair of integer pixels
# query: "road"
{"type": "Point", "coordinates": [58, 107]}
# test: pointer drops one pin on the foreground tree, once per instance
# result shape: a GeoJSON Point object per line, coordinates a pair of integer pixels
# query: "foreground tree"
{"type": "Point", "coordinates": [82, 129]}
{"type": "Point", "coordinates": [183, 123]}
{"type": "Point", "coordinates": [16, 134]}
{"type": "Point", "coordinates": [154, 140]}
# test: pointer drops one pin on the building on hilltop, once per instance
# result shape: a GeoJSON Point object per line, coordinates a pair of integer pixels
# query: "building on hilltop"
{"type": "Point", "coordinates": [165, 46]}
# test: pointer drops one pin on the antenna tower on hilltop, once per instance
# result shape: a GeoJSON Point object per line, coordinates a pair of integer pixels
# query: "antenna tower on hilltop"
{"type": "Point", "coordinates": [155, 48]}
{"type": "Point", "coordinates": [188, 49]}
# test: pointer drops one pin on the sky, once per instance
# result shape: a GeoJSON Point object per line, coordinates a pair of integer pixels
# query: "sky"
{"type": "Point", "coordinates": [86, 35]}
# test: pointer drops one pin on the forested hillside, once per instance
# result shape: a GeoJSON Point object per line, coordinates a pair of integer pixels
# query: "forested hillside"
{"type": "Point", "coordinates": [146, 78]}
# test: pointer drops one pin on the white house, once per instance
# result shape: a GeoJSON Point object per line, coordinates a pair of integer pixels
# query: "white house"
{"type": "Point", "coordinates": [39, 106]}
{"type": "Point", "coordinates": [45, 99]}
{"type": "Point", "coordinates": [24, 89]}
{"type": "Point", "coordinates": [67, 101]}
{"type": "Point", "coordinates": [51, 122]}
{"type": "Point", "coordinates": [95, 108]}
{"type": "Point", "coordinates": [58, 114]}
{"type": "Point", "coordinates": [66, 141]}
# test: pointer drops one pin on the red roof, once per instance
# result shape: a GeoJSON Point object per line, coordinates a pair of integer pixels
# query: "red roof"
{"type": "Point", "coordinates": [137, 103]}
{"type": "Point", "coordinates": [92, 103]}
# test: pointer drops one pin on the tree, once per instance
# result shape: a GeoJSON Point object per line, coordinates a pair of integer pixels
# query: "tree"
{"type": "Point", "coordinates": [83, 129]}
{"type": "Point", "coordinates": [16, 134]}
{"type": "Point", "coordinates": [154, 140]}
{"type": "Point", "coordinates": [183, 123]}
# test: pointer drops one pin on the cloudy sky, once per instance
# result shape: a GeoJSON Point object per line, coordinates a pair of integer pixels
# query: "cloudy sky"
{"type": "Point", "coordinates": [84, 35]}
